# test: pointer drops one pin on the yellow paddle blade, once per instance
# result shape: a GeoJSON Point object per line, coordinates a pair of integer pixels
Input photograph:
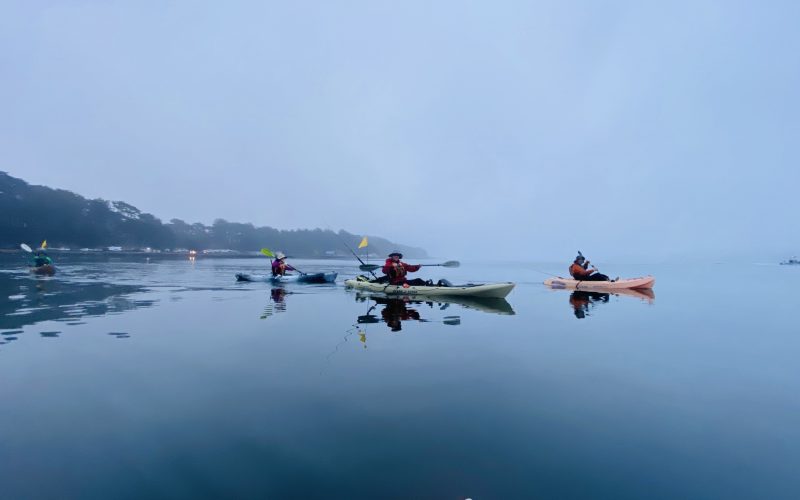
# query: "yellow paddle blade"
{"type": "Point", "coordinates": [44, 244]}
{"type": "Point", "coordinates": [267, 252]}
{"type": "Point", "coordinates": [363, 243]}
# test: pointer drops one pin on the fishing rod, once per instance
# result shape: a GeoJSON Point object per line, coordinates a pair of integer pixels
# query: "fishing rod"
{"type": "Point", "coordinates": [364, 266]}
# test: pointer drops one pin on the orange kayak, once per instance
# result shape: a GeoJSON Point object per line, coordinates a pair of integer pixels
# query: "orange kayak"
{"type": "Point", "coordinates": [623, 284]}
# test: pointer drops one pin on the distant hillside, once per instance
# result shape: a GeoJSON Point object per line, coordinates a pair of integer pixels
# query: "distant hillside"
{"type": "Point", "coordinates": [32, 213]}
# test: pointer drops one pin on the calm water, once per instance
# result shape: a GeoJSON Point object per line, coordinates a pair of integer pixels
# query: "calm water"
{"type": "Point", "coordinates": [166, 379]}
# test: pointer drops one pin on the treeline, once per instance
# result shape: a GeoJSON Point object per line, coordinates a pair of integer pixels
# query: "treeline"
{"type": "Point", "coordinates": [31, 213]}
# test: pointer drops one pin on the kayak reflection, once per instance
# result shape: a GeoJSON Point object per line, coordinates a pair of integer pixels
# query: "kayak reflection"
{"type": "Point", "coordinates": [483, 304]}
{"type": "Point", "coordinates": [393, 311]}
{"type": "Point", "coordinates": [583, 301]}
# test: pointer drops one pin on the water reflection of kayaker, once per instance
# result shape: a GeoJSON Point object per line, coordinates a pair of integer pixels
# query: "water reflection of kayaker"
{"type": "Point", "coordinates": [277, 303]}
{"type": "Point", "coordinates": [581, 272]}
{"type": "Point", "coordinates": [279, 265]}
{"type": "Point", "coordinates": [277, 295]}
{"type": "Point", "coordinates": [396, 270]}
{"type": "Point", "coordinates": [395, 312]}
{"type": "Point", "coordinates": [582, 301]}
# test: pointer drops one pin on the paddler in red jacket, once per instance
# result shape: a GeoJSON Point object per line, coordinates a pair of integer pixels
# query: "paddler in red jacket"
{"type": "Point", "coordinates": [397, 270]}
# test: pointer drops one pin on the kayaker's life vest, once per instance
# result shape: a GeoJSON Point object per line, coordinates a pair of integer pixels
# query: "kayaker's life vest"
{"type": "Point", "coordinates": [279, 268]}
{"type": "Point", "coordinates": [577, 271]}
{"type": "Point", "coordinates": [397, 271]}
{"type": "Point", "coordinates": [42, 260]}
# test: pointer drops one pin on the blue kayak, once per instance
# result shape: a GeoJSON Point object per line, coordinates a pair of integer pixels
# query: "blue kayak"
{"type": "Point", "coordinates": [290, 278]}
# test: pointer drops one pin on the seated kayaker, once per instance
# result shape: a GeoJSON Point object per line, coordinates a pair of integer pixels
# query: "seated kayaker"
{"type": "Point", "coordinates": [581, 272]}
{"type": "Point", "coordinates": [396, 270]}
{"type": "Point", "coordinates": [40, 259]}
{"type": "Point", "coordinates": [279, 265]}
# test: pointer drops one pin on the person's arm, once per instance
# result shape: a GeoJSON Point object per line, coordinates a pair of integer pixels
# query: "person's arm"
{"type": "Point", "coordinates": [581, 271]}
{"type": "Point", "coordinates": [411, 268]}
{"type": "Point", "coordinates": [387, 269]}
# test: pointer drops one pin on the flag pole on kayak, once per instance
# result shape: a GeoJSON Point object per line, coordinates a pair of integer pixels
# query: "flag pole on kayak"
{"type": "Point", "coordinates": [363, 266]}
{"type": "Point", "coordinates": [364, 244]}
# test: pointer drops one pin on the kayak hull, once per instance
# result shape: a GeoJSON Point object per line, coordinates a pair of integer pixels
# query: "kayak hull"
{"type": "Point", "coordinates": [310, 278]}
{"type": "Point", "coordinates": [491, 290]}
{"type": "Point", "coordinates": [46, 270]}
{"type": "Point", "coordinates": [645, 282]}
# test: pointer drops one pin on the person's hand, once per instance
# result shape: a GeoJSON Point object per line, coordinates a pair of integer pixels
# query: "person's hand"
{"type": "Point", "coordinates": [588, 262]}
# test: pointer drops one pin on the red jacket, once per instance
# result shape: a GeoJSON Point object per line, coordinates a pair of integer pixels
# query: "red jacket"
{"type": "Point", "coordinates": [397, 271]}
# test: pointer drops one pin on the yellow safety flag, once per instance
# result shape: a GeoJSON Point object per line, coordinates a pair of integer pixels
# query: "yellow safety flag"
{"type": "Point", "coordinates": [363, 243]}
{"type": "Point", "coordinates": [44, 244]}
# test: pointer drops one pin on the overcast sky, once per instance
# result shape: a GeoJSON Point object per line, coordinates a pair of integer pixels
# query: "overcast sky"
{"type": "Point", "coordinates": [513, 129]}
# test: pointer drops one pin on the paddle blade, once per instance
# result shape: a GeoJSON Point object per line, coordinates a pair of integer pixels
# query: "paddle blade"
{"type": "Point", "coordinates": [369, 267]}
{"type": "Point", "coordinates": [451, 263]}
{"type": "Point", "coordinates": [268, 252]}
{"type": "Point", "coordinates": [25, 247]}
{"type": "Point", "coordinates": [363, 243]}
{"type": "Point", "coordinates": [44, 244]}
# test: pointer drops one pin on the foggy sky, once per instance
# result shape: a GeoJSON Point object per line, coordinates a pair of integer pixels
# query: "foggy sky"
{"type": "Point", "coordinates": [472, 129]}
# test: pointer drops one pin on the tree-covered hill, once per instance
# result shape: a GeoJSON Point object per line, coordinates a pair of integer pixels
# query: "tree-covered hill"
{"type": "Point", "coordinates": [31, 213]}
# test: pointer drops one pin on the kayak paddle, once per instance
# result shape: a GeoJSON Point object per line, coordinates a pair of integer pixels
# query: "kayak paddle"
{"type": "Point", "coordinates": [25, 247]}
{"type": "Point", "coordinates": [449, 263]}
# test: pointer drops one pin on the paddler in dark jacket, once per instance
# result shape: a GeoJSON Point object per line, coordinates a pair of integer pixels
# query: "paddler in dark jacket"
{"type": "Point", "coordinates": [581, 272]}
{"type": "Point", "coordinates": [397, 270]}
{"type": "Point", "coordinates": [40, 258]}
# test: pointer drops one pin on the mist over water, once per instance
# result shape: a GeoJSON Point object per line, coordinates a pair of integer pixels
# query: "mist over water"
{"type": "Point", "coordinates": [521, 130]}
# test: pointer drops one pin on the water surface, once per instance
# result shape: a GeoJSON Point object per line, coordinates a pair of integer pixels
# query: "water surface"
{"type": "Point", "coordinates": [166, 379]}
